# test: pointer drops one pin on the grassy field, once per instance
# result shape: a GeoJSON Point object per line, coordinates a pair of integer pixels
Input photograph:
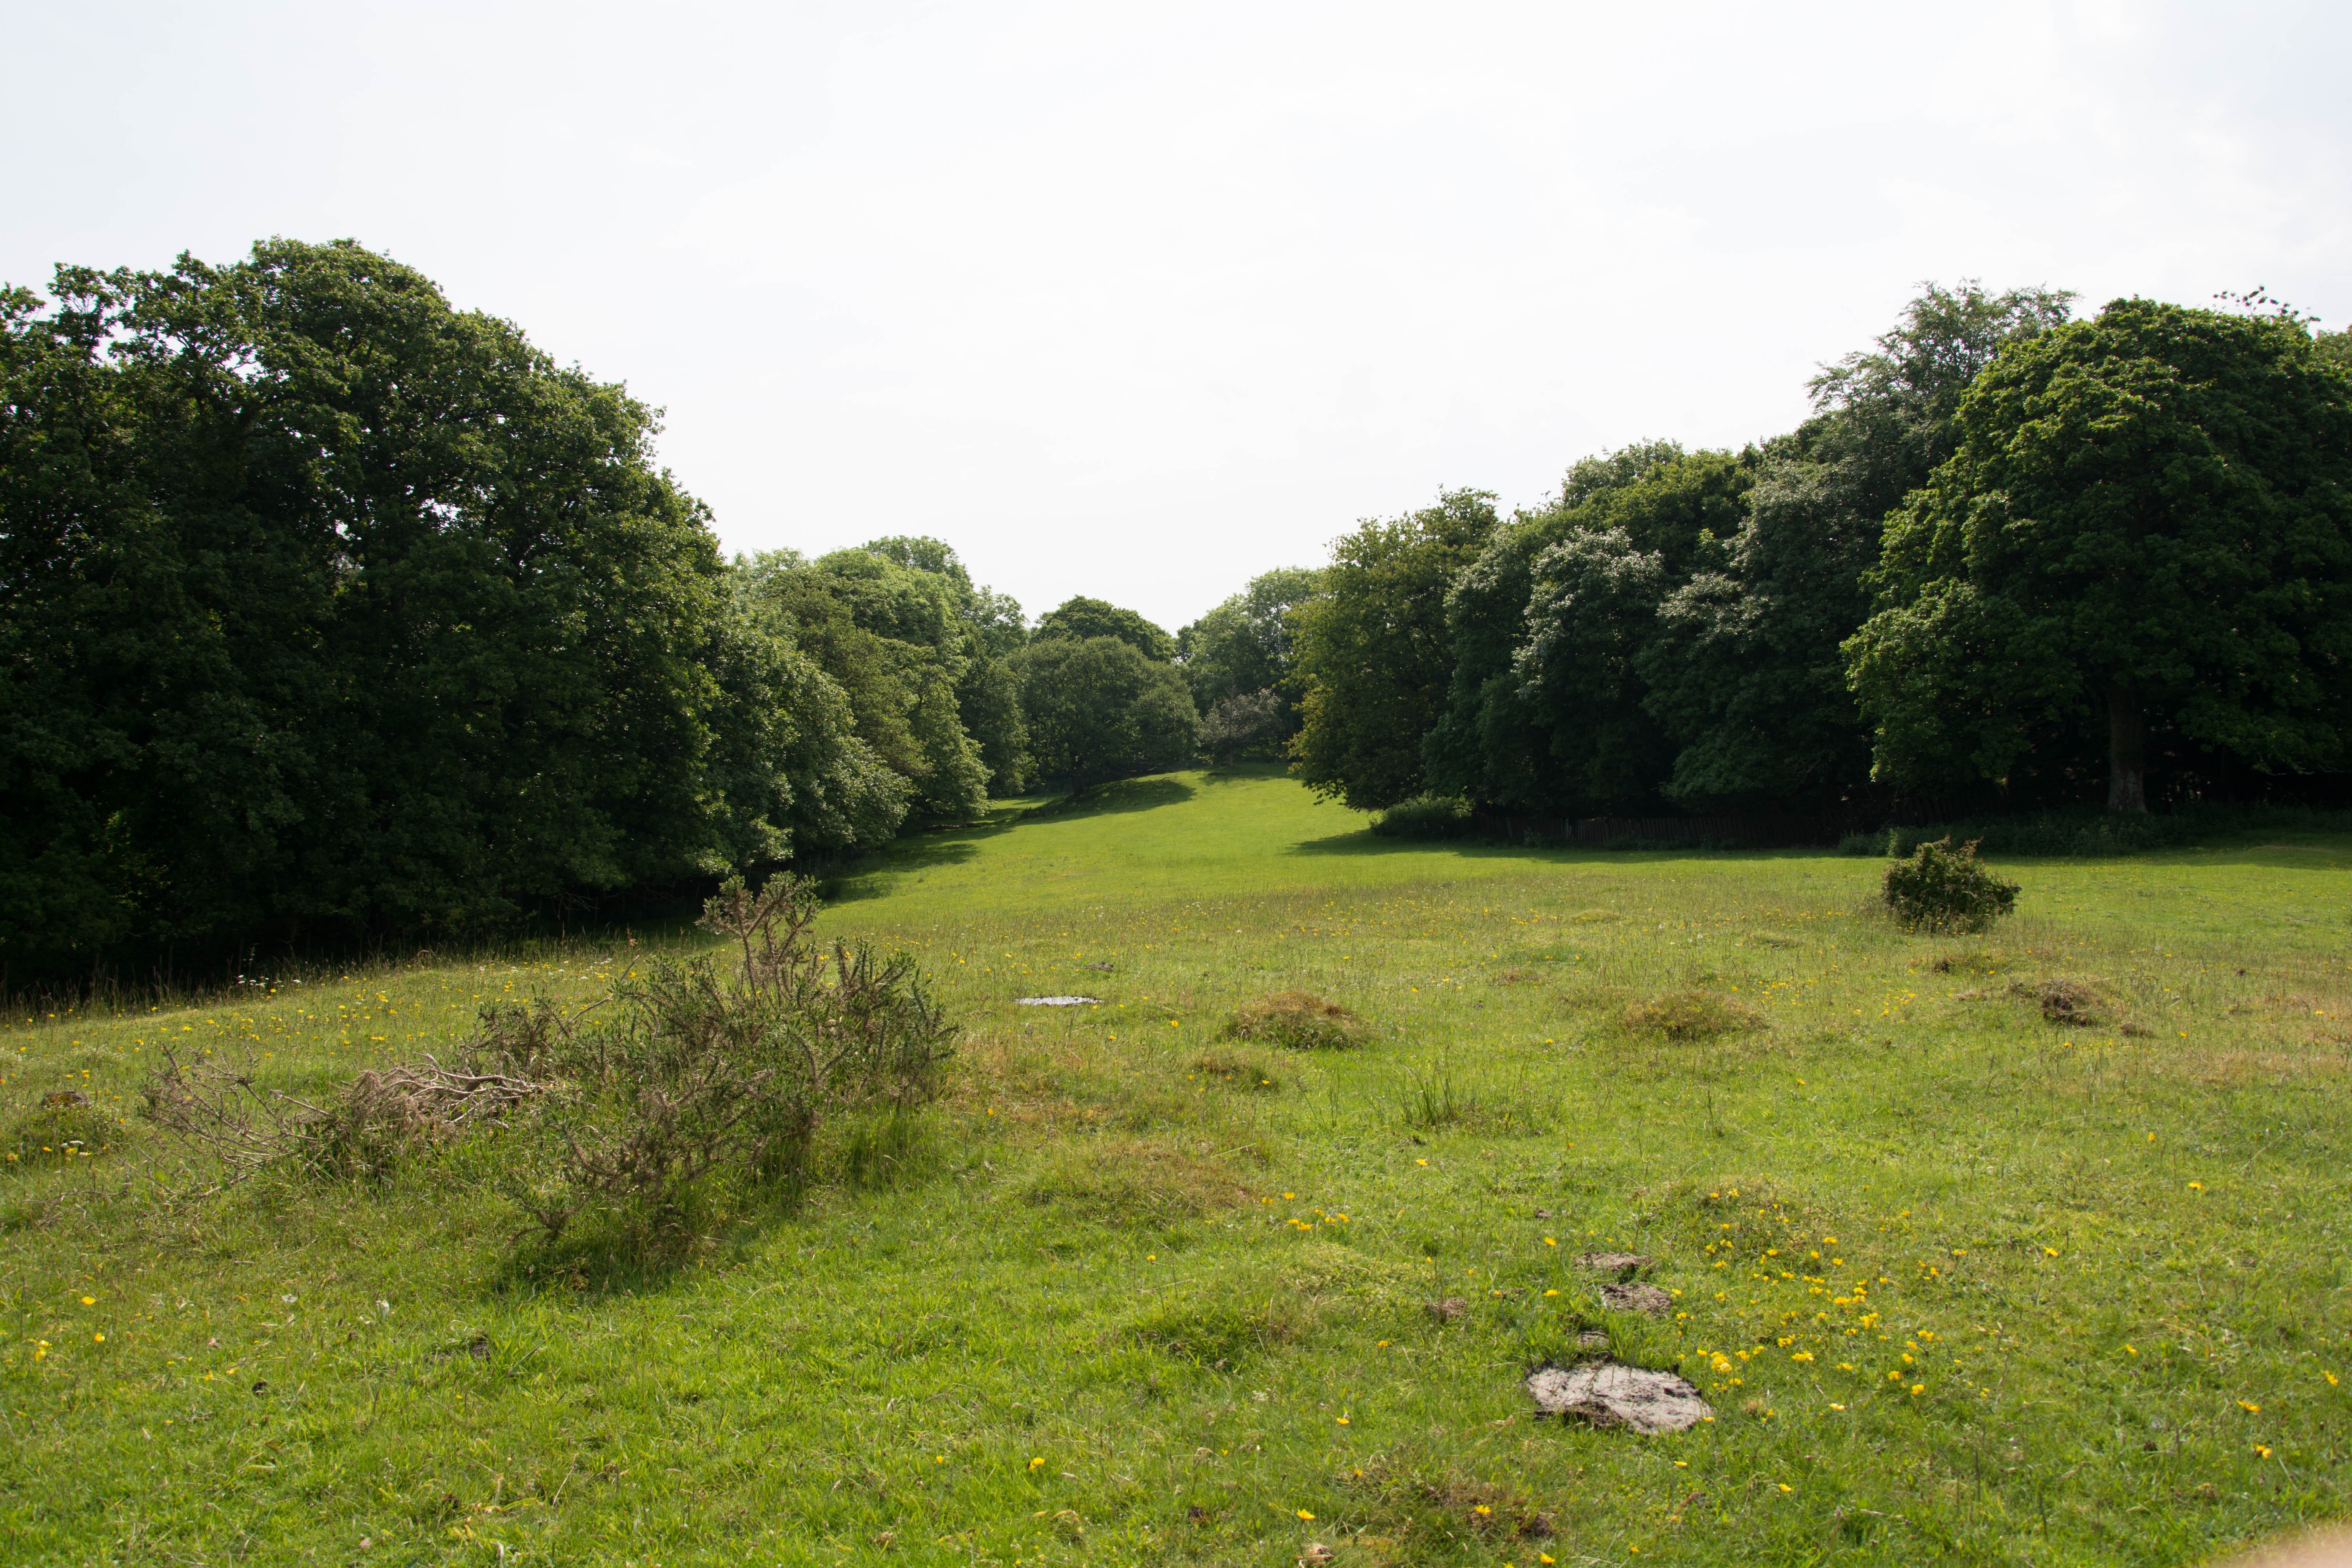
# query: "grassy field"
{"type": "Point", "coordinates": [1960, 1281]}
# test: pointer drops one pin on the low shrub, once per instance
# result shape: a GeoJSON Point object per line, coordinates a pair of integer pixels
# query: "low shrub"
{"type": "Point", "coordinates": [1427, 817]}
{"type": "Point", "coordinates": [1940, 889]}
{"type": "Point", "coordinates": [1298, 1020]}
{"type": "Point", "coordinates": [708, 1075]}
{"type": "Point", "coordinates": [1689, 1015]}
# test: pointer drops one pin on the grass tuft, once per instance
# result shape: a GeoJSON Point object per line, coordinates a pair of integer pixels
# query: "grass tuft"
{"type": "Point", "coordinates": [1297, 1020]}
{"type": "Point", "coordinates": [1689, 1015]}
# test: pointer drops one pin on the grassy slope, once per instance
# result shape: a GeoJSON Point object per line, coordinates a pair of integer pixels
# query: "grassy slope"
{"type": "Point", "coordinates": [1120, 1317]}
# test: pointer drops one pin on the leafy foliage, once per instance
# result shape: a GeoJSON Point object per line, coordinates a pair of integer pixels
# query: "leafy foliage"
{"type": "Point", "coordinates": [711, 1075]}
{"type": "Point", "coordinates": [1940, 889]}
{"type": "Point", "coordinates": [2147, 522]}
{"type": "Point", "coordinates": [1373, 651]}
{"type": "Point", "coordinates": [1098, 710]}
{"type": "Point", "coordinates": [1082, 619]}
{"type": "Point", "coordinates": [1239, 724]}
{"type": "Point", "coordinates": [330, 606]}
{"type": "Point", "coordinates": [1428, 816]}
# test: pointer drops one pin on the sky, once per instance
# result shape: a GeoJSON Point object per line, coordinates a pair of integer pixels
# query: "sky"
{"type": "Point", "coordinates": [1140, 302]}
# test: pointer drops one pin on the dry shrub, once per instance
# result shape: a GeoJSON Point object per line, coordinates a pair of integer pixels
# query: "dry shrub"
{"type": "Point", "coordinates": [216, 1109]}
{"type": "Point", "coordinates": [1133, 1181]}
{"type": "Point", "coordinates": [1298, 1020]}
{"type": "Point", "coordinates": [1690, 1015]}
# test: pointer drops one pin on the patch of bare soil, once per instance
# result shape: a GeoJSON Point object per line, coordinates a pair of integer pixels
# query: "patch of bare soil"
{"type": "Point", "coordinates": [1637, 1297]}
{"type": "Point", "coordinates": [1615, 1262]}
{"type": "Point", "coordinates": [1610, 1394]}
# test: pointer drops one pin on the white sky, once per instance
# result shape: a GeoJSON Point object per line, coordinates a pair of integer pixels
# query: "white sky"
{"type": "Point", "coordinates": [1140, 302]}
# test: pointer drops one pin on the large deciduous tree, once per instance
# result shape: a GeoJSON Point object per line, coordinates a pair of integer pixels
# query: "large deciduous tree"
{"type": "Point", "coordinates": [327, 604]}
{"type": "Point", "coordinates": [2146, 524]}
{"type": "Point", "coordinates": [1078, 620]}
{"type": "Point", "coordinates": [1098, 709]}
{"type": "Point", "coordinates": [1372, 653]}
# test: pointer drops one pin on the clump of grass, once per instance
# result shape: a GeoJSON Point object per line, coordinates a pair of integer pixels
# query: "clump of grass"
{"type": "Point", "coordinates": [1132, 1182]}
{"type": "Point", "coordinates": [1970, 961]}
{"type": "Point", "coordinates": [1427, 1508]}
{"type": "Point", "coordinates": [1689, 1015]}
{"type": "Point", "coordinates": [64, 1127]}
{"type": "Point", "coordinates": [1298, 1020]}
{"type": "Point", "coordinates": [1433, 1099]}
{"type": "Point", "coordinates": [2075, 1001]}
{"type": "Point", "coordinates": [1238, 1072]}
{"type": "Point", "coordinates": [1941, 888]}
{"type": "Point", "coordinates": [1221, 1332]}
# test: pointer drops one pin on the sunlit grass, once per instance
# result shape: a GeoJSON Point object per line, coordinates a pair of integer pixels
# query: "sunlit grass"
{"type": "Point", "coordinates": [1960, 1281]}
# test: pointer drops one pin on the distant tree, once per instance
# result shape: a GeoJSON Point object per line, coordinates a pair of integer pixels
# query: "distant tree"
{"type": "Point", "coordinates": [2333, 348]}
{"type": "Point", "coordinates": [1371, 650]}
{"type": "Point", "coordinates": [1077, 620]}
{"type": "Point", "coordinates": [1098, 709]}
{"type": "Point", "coordinates": [1491, 743]}
{"type": "Point", "coordinates": [892, 638]}
{"type": "Point", "coordinates": [1745, 672]}
{"type": "Point", "coordinates": [1243, 645]}
{"type": "Point", "coordinates": [2147, 522]}
{"type": "Point", "coordinates": [1592, 624]}
{"type": "Point", "coordinates": [1240, 722]}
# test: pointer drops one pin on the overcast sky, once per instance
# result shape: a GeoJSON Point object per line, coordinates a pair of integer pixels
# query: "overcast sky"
{"type": "Point", "coordinates": [1140, 302]}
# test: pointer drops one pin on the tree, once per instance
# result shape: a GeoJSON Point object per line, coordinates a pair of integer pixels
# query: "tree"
{"type": "Point", "coordinates": [327, 604]}
{"type": "Point", "coordinates": [1592, 623]}
{"type": "Point", "coordinates": [1098, 709]}
{"type": "Point", "coordinates": [1372, 653]}
{"type": "Point", "coordinates": [1077, 620]}
{"type": "Point", "coordinates": [1745, 672]}
{"type": "Point", "coordinates": [1491, 744]}
{"type": "Point", "coordinates": [1239, 722]}
{"type": "Point", "coordinates": [1243, 645]}
{"type": "Point", "coordinates": [2146, 524]}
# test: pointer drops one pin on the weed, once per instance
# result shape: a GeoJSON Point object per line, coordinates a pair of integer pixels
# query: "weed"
{"type": "Point", "coordinates": [63, 1129]}
{"type": "Point", "coordinates": [1297, 1020]}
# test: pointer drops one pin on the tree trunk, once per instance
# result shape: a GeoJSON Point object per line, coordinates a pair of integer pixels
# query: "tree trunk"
{"type": "Point", "coordinates": [2127, 750]}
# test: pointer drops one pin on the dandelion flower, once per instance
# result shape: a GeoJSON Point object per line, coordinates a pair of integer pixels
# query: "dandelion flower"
{"type": "Point", "coordinates": [1306, 1517]}
{"type": "Point", "coordinates": [90, 1300]}
{"type": "Point", "coordinates": [2330, 1377]}
{"type": "Point", "coordinates": [1787, 1487]}
{"type": "Point", "coordinates": [1482, 1507]}
{"type": "Point", "coordinates": [2196, 1187]}
{"type": "Point", "coordinates": [1919, 1388]}
{"type": "Point", "coordinates": [2249, 1407]}
{"type": "Point", "coordinates": [2261, 1452]}
{"type": "Point", "coordinates": [1036, 1464]}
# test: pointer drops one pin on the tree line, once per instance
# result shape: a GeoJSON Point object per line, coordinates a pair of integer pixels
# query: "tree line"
{"type": "Point", "coordinates": [334, 612]}
{"type": "Point", "coordinates": [2012, 559]}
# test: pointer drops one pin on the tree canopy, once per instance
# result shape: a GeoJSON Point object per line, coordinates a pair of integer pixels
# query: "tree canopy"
{"type": "Point", "coordinates": [1077, 620]}
{"type": "Point", "coordinates": [2147, 526]}
{"type": "Point", "coordinates": [1098, 709]}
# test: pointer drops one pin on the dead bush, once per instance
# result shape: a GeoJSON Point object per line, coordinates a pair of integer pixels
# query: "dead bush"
{"type": "Point", "coordinates": [216, 1109]}
{"type": "Point", "coordinates": [1298, 1020]}
{"type": "Point", "coordinates": [1689, 1015]}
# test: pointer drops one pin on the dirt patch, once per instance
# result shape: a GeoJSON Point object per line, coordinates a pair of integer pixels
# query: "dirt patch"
{"type": "Point", "coordinates": [1615, 1262]}
{"type": "Point", "coordinates": [1689, 1015]}
{"type": "Point", "coordinates": [1645, 1298]}
{"type": "Point", "coordinates": [1299, 1020]}
{"type": "Point", "coordinates": [1445, 1312]}
{"type": "Point", "coordinates": [1610, 1394]}
{"type": "Point", "coordinates": [1517, 977]}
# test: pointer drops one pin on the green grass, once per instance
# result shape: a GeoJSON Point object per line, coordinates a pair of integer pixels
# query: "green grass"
{"type": "Point", "coordinates": [1141, 1293]}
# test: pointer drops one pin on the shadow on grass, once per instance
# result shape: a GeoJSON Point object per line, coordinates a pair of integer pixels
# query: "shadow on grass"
{"type": "Point", "coordinates": [1147, 794]}
{"type": "Point", "coordinates": [1363, 841]}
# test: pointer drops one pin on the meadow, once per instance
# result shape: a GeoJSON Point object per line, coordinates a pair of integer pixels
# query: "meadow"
{"type": "Point", "coordinates": [1961, 1279]}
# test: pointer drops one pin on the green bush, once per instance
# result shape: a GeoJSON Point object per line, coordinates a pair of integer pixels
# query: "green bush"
{"type": "Point", "coordinates": [1941, 888]}
{"type": "Point", "coordinates": [713, 1077]}
{"type": "Point", "coordinates": [1427, 817]}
